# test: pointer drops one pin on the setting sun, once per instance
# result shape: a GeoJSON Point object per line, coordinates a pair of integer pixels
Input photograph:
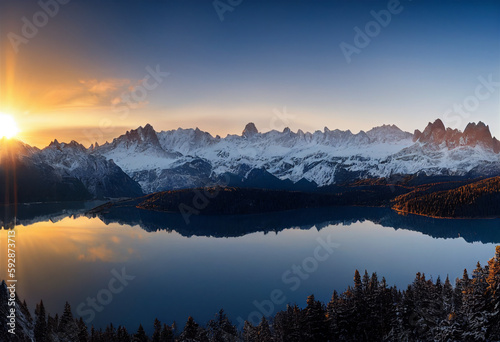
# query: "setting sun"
{"type": "Point", "coordinates": [8, 127]}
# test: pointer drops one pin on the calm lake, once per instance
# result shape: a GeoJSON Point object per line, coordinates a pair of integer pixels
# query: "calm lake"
{"type": "Point", "coordinates": [141, 265]}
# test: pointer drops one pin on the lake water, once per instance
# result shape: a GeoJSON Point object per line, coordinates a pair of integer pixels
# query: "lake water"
{"type": "Point", "coordinates": [240, 264]}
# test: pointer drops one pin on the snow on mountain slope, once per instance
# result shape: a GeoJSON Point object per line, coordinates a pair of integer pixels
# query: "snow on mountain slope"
{"type": "Point", "coordinates": [101, 177]}
{"type": "Point", "coordinates": [138, 150]}
{"type": "Point", "coordinates": [24, 323]}
{"type": "Point", "coordinates": [190, 157]}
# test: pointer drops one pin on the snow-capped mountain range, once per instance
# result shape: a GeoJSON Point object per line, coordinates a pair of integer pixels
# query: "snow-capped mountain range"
{"type": "Point", "coordinates": [185, 158]}
{"type": "Point", "coordinates": [60, 172]}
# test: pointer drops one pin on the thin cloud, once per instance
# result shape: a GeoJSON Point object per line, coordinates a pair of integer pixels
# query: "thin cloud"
{"type": "Point", "coordinates": [90, 93]}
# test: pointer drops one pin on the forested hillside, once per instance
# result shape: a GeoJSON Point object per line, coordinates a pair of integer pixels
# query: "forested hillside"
{"type": "Point", "coordinates": [234, 201]}
{"type": "Point", "coordinates": [478, 199]}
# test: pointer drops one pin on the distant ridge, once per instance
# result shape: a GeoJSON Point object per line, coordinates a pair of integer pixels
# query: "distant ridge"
{"type": "Point", "coordinates": [185, 158]}
{"type": "Point", "coordinates": [145, 161]}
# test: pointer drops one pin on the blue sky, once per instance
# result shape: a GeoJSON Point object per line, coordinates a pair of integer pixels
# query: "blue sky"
{"type": "Point", "coordinates": [265, 56]}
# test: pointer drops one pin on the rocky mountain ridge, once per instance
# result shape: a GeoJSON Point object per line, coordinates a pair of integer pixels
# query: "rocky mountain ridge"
{"type": "Point", "coordinates": [144, 161]}
{"type": "Point", "coordinates": [185, 158]}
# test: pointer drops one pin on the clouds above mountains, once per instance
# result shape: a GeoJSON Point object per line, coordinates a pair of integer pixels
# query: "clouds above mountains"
{"type": "Point", "coordinates": [89, 93]}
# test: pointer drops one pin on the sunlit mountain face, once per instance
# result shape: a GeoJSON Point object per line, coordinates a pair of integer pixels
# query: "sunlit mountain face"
{"type": "Point", "coordinates": [143, 161]}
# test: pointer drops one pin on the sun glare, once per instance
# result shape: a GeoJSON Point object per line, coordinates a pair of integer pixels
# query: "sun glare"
{"type": "Point", "coordinates": [8, 127]}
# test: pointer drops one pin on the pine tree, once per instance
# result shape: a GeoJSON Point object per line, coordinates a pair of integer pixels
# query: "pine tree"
{"type": "Point", "coordinates": [52, 327]}
{"type": "Point", "coordinates": [457, 296]}
{"type": "Point", "coordinates": [68, 330]}
{"type": "Point", "coordinates": [221, 329]}
{"type": "Point", "coordinates": [263, 331]}
{"type": "Point", "coordinates": [157, 331]}
{"type": "Point", "coordinates": [202, 335]}
{"type": "Point", "coordinates": [365, 283]}
{"type": "Point", "coordinates": [448, 297]}
{"type": "Point", "coordinates": [26, 312]}
{"type": "Point", "coordinates": [358, 329]}
{"type": "Point", "coordinates": [83, 334]}
{"type": "Point", "coordinates": [409, 315]}
{"type": "Point", "coordinates": [475, 306]}
{"type": "Point", "coordinates": [93, 334]}
{"type": "Point", "coordinates": [315, 320]}
{"type": "Point", "coordinates": [288, 325]}
{"type": "Point", "coordinates": [346, 315]}
{"type": "Point", "coordinates": [280, 326]}
{"type": "Point", "coordinates": [40, 323]}
{"type": "Point", "coordinates": [493, 281]}
{"type": "Point", "coordinates": [386, 309]}
{"type": "Point", "coordinates": [372, 302]}
{"type": "Point", "coordinates": [140, 335]}
{"type": "Point", "coordinates": [465, 280]}
{"type": "Point", "coordinates": [250, 332]}
{"type": "Point", "coordinates": [110, 333]}
{"type": "Point", "coordinates": [449, 325]}
{"type": "Point", "coordinates": [190, 331]}
{"type": "Point", "coordinates": [167, 334]}
{"type": "Point", "coordinates": [435, 312]}
{"type": "Point", "coordinates": [357, 282]}
{"type": "Point", "coordinates": [122, 334]}
{"type": "Point", "coordinates": [333, 317]}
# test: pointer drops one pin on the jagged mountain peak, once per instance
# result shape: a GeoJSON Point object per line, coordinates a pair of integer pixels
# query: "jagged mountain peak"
{"type": "Point", "coordinates": [437, 124]}
{"type": "Point", "coordinates": [479, 130]}
{"type": "Point", "coordinates": [73, 145]}
{"type": "Point", "coordinates": [93, 147]}
{"type": "Point", "coordinates": [479, 125]}
{"type": "Point", "coordinates": [250, 130]}
{"type": "Point", "coordinates": [416, 135]}
{"type": "Point", "coordinates": [141, 135]}
{"type": "Point", "coordinates": [146, 131]}
{"type": "Point", "coordinates": [474, 134]}
{"type": "Point", "coordinates": [433, 133]}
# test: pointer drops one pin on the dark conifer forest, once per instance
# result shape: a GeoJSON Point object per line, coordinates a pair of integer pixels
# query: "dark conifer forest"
{"type": "Point", "coordinates": [478, 199]}
{"type": "Point", "coordinates": [368, 310]}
